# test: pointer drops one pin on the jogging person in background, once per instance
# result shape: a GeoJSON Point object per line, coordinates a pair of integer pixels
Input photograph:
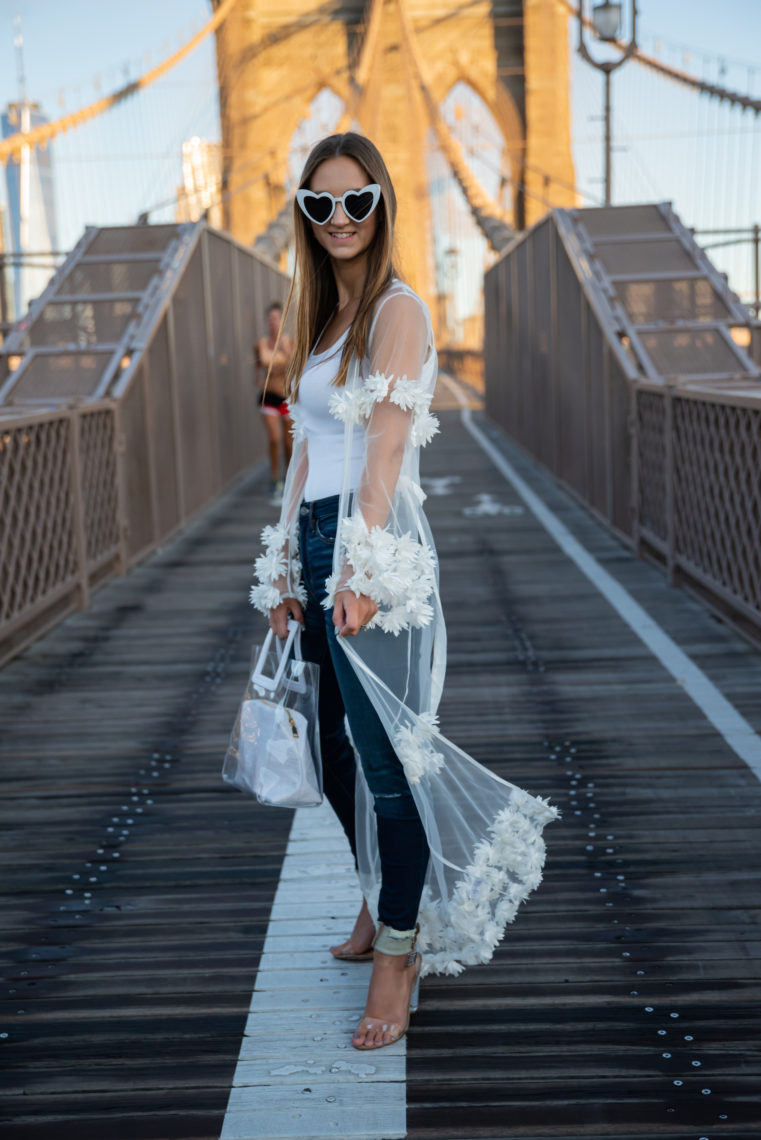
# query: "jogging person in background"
{"type": "Point", "coordinates": [276, 356]}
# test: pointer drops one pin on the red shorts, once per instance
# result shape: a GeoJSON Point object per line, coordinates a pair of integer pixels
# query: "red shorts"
{"type": "Point", "coordinates": [272, 405]}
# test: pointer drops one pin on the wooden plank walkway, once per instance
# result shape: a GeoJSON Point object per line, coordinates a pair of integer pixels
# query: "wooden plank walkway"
{"type": "Point", "coordinates": [138, 889]}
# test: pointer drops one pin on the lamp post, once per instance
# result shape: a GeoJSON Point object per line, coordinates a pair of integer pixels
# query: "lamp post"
{"type": "Point", "coordinates": [606, 18]}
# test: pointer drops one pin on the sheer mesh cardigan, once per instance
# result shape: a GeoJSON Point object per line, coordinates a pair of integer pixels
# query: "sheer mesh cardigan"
{"type": "Point", "coordinates": [484, 833]}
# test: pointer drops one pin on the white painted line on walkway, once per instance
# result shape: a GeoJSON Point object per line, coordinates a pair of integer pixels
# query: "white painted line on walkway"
{"type": "Point", "coordinates": [297, 1074]}
{"type": "Point", "coordinates": [737, 732]}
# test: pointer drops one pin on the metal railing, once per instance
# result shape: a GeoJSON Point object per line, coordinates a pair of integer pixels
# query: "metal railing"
{"type": "Point", "coordinates": [553, 381]}
{"type": "Point", "coordinates": [728, 238]}
{"type": "Point", "coordinates": [59, 506]}
{"type": "Point", "coordinates": [699, 491]}
{"type": "Point", "coordinates": [670, 463]}
{"type": "Point", "coordinates": [88, 490]}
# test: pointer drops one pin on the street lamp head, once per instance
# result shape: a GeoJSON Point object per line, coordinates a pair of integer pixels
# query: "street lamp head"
{"type": "Point", "coordinates": [607, 20]}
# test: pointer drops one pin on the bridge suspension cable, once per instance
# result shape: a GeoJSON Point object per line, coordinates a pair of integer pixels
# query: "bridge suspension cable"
{"type": "Point", "coordinates": [701, 152]}
{"type": "Point", "coordinates": [746, 102]}
{"type": "Point", "coordinates": [13, 146]}
{"type": "Point", "coordinates": [715, 90]}
{"type": "Point", "coordinates": [489, 215]}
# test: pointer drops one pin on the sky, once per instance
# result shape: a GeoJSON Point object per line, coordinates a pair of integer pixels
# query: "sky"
{"type": "Point", "coordinates": [69, 43]}
{"type": "Point", "coordinates": [66, 45]}
{"type": "Point", "coordinates": [75, 50]}
{"type": "Point", "coordinates": [671, 144]}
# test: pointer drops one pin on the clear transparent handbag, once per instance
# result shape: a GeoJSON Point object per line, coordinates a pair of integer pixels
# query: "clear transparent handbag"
{"type": "Point", "coordinates": [274, 750]}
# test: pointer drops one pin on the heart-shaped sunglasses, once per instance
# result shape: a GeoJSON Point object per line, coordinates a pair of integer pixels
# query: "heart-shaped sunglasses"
{"type": "Point", "coordinates": [356, 204]}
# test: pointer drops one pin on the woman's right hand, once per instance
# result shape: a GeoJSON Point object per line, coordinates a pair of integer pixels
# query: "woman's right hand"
{"type": "Point", "coordinates": [289, 607]}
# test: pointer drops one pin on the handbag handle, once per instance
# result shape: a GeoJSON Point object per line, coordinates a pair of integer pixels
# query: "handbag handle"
{"type": "Point", "coordinates": [293, 641]}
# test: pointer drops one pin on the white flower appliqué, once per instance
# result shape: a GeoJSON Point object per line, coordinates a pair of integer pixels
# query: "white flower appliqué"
{"type": "Point", "coordinates": [373, 390]}
{"type": "Point", "coordinates": [354, 406]}
{"type": "Point", "coordinates": [397, 572]}
{"type": "Point", "coordinates": [298, 431]}
{"type": "Point", "coordinates": [277, 576]}
{"type": "Point", "coordinates": [465, 929]}
{"type": "Point", "coordinates": [414, 744]}
{"type": "Point", "coordinates": [345, 405]}
{"type": "Point", "coordinates": [424, 427]}
{"type": "Point", "coordinates": [409, 396]}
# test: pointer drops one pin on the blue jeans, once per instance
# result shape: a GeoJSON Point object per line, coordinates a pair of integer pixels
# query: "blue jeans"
{"type": "Point", "coordinates": [402, 844]}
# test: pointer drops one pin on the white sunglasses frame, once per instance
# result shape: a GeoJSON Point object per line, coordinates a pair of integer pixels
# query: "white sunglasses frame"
{"type": "Point", "coordinates": [373, 187]}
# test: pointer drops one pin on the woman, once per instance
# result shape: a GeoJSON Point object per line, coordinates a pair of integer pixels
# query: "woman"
{"type": "Point", "coordinates": [273, 355]}
{"type": "Point", "coordinates": [445, 849]}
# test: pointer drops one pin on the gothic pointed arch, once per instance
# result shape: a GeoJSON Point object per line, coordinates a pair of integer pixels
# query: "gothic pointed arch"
{"type": "Point", "coordinates": [512, 53]}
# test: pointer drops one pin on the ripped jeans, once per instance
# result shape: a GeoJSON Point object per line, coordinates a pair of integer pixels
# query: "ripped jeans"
{"type": "Point", "coordinates": [402, 843]}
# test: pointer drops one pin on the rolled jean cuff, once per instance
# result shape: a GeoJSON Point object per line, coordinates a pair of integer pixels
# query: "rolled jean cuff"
{"type": "Point", "coordinates": [396, 942]}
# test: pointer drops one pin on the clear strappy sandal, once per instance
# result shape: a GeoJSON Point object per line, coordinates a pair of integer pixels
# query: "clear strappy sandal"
{"type": "Point", "coordinates": [395, 942]}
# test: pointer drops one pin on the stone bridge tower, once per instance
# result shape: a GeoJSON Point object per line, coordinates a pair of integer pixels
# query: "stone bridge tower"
{"type": "Point", "coordinates": [274, 56]}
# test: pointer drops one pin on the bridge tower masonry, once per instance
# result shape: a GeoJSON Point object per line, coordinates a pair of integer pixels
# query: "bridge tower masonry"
{"type": "Point", "coordinates": [274, 58]}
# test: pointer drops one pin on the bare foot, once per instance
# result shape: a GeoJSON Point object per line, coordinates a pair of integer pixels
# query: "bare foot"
{"type": "Point", "coordinates": [361, 938]}
{"type": "Point", "coordinates": [388, 1001]}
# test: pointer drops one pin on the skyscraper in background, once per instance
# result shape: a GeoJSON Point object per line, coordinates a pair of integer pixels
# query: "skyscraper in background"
{"type": "Point", "coordinates": [201, 187]}
{"type": "Point", "coordinates": [5, 289]}
{"type": "Point", "coordinates": [31, 206]}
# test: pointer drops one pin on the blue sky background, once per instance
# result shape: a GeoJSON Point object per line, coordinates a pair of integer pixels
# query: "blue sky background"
{"type": "Point", "coordinates": [129, 160]}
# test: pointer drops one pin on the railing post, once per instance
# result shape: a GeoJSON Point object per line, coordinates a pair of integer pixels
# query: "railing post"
{"type": "Point", "coordinates": [530, 411]}
{"type": "Point", "coordinates": [122, 515]}
{"type": "Point", "coordinates": [587, 397]}
{"type": "Point", "coordinates": [553, 412]}
{"type": "Point", "coordinates": [634, 489]}
{"type": "Point", "coordinates": [608, 433]}
{"type": "Point", "coordinates": [215, 475]}
{"type": "Point", "coordinates": [515, 377]}
{"type": "Point", "coordinates": [668, 436]}
{"type": "Point", "coordinates": [179, 466]}
{"type": "Point", "coordinates": [242, 458]}
{"type": "Point", "coordinates": [80, 538]}
{"type": "Point", "coordinates": [757, 269]}
{"type": "Point", "coordinates": [144, 379]}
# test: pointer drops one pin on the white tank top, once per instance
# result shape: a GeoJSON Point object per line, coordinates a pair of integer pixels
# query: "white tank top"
{"type": "Point", "coordinates": [324, 433]}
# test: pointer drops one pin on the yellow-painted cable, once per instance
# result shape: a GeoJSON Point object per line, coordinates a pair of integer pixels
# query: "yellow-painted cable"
{"type": "Point", "coordinates": [747, 102]}
{"type": "Point", "coordinates": [39, 136]}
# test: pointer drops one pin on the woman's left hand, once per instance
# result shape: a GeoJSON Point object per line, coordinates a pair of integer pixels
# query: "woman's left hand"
{"type": "Point", "coordinates": [350, 612]}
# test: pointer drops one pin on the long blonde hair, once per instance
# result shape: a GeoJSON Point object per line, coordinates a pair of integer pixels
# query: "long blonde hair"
{"type": "Point", "coordinates": [313, 276]}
